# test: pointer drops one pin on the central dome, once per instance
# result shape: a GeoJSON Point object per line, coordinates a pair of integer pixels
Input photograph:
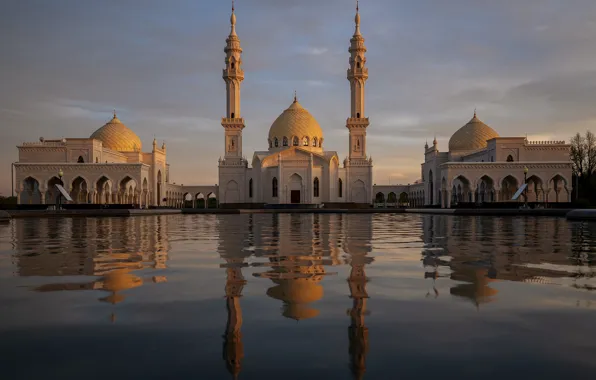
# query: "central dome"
{"type": "Point", "coordinates": [116, 136]}
{"type": "Point", "coordinates": [472, 136]}
{"type": "Point", "coordinates": [295, 124]}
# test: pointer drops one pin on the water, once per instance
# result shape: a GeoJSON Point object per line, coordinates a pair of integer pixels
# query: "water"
{"type": "Point", "coordinates": [297, 296]}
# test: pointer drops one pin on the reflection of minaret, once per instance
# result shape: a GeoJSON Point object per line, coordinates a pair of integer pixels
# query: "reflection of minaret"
{"type": "Point", "coordinates": [233, 351]}
{"type": "Point", "coordinates": [358, 332]}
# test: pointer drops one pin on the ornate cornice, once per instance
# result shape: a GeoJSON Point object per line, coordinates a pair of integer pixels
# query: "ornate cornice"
{"type": "Point", "coordinates": [87, 167]}
{"type": "Point", "coordinates": [505, 165]}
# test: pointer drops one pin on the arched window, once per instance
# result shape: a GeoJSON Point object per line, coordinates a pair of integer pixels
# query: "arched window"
{"type": "Point", "coordinates": [81, 160]}
{"type": "Point", "coordinates": [233, 64]}
{"type": "Point", "coordinates": [250, 188]}
{"type": "Point", "coordinates": [510, 158]}
{"type": "Point", "coordinates": [314, 142]}
{"type": "Point", "coordinates": [96, 160]}
{"type": "Point", "coordinates": [358, 115]}
{"type": "Point", "coordinates": [274, 188]}
{"type": "Point", "coordinates": [295, 141]}
{"type": "Point", "coordinates": [316, 188]}
{"type": "Point", "coordinates": [233, 115]}
{"type": "Point", "coordinates": [320, 143]}
{"type": "Point", "coordinates": [305, 141]}
{"type": "Point", "coordinates": [358, 65]}
{"type": "Point", "coordinates": [276, 142]}
{"type": "Point", "coordinates": [285, 141]}
{"type": "Point", "coordinates": [340, 188]}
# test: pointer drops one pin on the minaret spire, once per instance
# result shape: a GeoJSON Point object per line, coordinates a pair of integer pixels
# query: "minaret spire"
{"type": "Point", "coordinates": [233, 75]}
{"type": "Point", "coordinates": [357, 76]}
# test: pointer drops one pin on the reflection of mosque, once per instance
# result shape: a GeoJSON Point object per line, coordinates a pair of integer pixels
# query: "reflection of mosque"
{"type": "Point", "coordinates": [53, 247]}
{"type": "Point", "coordinates": [478, 251]}
{"type": "Point", "coordinates": [296, 270]}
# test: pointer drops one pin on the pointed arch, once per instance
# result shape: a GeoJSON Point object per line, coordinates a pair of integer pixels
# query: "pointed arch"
{"type": "Point", "coordinates": [30, 192]}
{"type": "Point", "coordinates": [305, 141]}
{"type": "Point", "coordinates": [276, 142]}
{"type": "Point", "coordinates": [314, 142]}
{"type": "Point", "coordinates": [81, 160]}
{"type": "Point", "coordinates": [340, 188]}
{"type": "Point", "coordinates": [316, 187]}
{"type": "Point", "coordinates": [285, 141]}
{"type": "Point", "coordinates": [295, 141]}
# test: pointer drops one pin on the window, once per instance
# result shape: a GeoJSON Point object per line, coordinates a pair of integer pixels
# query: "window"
{"type": "Point", "coordinates": [250, 188]}
{"type": "Point", "coordinates": [96, 160]}
{"type": "Point", "coordinates": [320, 143]}
{"type": "Point", "coordinates": [314, 142]}
{"type": "Point", "coordinates": [276, 142]}
{"type": "Point", "coordinates": [81, 160]}
{"type": "Point", "coordinates": [232, 115]}
{"type": "Point", "coordinates": [233, 64]}
{"type": "Point", "coordinates": [358, 65]}
{"type": "Point", "coordinates": [510, 158]}
{"type": "Point", "coordinates": [274, 188]}
{"type": "Point", "coordinates": [316, 188]}
{"type": "Point", "coordinates": [305, 141]}
{"type": "Point", "coordinates": [358, 115]}
{"type": "Point", "coordinates": [285, 141]}
{"type": "Point", "coordinates": [340, 188]}
{"type": "Point", "coordinates": [295, 141]}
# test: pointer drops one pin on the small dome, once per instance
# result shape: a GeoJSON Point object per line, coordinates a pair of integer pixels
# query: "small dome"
{"type": "Point", "coordinates": [116, 136]}
{"type": "Point", "coordinates": [295, 121]}
{"type": "Point", "coordinates": [472, 136]}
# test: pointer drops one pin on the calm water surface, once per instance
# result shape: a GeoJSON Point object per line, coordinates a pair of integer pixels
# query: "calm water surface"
{"type": "Point", "coordinates": [297, 296]}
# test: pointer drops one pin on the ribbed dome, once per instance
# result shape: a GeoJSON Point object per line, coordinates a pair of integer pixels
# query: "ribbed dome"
{"type": "Point", "coordinates": [472, 136]}
{"type": "Point", "coordinates": [117, 136]}
{"type": "Point", "coordinates": [295, 121]}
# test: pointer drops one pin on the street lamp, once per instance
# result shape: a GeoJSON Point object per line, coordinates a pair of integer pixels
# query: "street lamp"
{"type": "Point", "coordinates": [526, 189]}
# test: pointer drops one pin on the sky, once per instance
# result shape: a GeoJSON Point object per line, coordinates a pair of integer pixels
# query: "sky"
{"type": "Point", "coordinates": [527, 66]}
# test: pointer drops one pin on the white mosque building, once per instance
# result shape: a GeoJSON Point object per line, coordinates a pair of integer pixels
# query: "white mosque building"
{"type": "Point", "coordinates": [109, 167]}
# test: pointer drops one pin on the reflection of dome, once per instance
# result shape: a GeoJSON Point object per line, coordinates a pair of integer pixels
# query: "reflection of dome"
{"type": "Point", "coordinates": [472, 136]}
{"type": "Point", "coordinates": [296, 121]}
{"type": "Point", "coordinates": [296, 295]}
{"type": "Point", "coordinates": [476, 288]}
{"type": "Point", "coordinates": [116, 136]}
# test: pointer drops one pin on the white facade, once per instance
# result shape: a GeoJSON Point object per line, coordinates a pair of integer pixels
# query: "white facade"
{"type": "Point", "coordinates": [295, 169]}
{"type": "Point", "coordinates": [482, 167]}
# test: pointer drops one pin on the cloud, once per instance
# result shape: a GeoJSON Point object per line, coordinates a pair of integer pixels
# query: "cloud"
{"type": "Point", "coordinates": [528, 67]}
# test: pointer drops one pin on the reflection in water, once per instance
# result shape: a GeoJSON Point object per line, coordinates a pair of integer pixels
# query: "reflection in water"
{"type": "Point", "coordinates": [293, 258]}
{"type": "Point", "coordinates": [111, 249]}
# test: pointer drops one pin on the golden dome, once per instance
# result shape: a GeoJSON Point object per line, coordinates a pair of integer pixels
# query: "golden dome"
{"type": "Point", "coordinates": [295, 121]}
{"type": "Point", "coordinates": [297, 294]}
{"type": "Point", "coordinates": [116, 136]}
{"type": "Point", "coordinates": [472, 136]}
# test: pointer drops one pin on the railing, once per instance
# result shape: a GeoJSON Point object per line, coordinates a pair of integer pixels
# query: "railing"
{"type": "Point", "coordinates": [555, 142]}
{"type": "Point", "coordinates": [44, 143]}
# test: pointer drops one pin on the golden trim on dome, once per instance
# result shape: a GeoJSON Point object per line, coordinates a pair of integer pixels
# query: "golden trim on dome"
{"type": "Point", "coordinates": [472, 136]}
{"type": "Point", "coordinates": [116, 136]}
{"type": "Point", "coordinates": [295, 121]}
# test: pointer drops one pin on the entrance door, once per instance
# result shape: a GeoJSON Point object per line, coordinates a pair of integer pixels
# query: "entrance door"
{"type": "Point", "coordinates": [295, 196]}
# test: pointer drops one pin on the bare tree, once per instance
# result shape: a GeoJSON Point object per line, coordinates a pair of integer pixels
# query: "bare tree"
{"type": "Point", "coordinates": [578, 153]}
{"type": "Point", "coordinates": [590, 152]}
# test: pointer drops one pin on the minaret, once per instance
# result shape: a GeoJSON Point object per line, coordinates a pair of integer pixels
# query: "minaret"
{"type": "Point", "coordinates": [357, 75]}
{"type": "Point", "coordinates": [233, 75]}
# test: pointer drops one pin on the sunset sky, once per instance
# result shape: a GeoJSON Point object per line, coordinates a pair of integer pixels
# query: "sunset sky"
{"type": "Point", "coordinates": [528, 66]}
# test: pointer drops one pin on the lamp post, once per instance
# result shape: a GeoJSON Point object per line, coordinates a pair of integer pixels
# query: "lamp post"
{"type": "Point", "coordinates": [60, 174]}
{"type": "Point", "coordinates": [526, 189]}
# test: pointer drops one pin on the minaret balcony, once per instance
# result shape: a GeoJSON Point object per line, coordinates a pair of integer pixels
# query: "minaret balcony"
{"type": "Point", "coordinates": [358, 121]}
{"type": "Point", "coordinates": [233, 74]}
{"type": "Point", "coordinates": [232, 122]}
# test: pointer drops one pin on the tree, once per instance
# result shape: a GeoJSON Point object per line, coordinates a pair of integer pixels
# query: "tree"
{"type": "Point", "coordinates": [590, 152]}
{"type": "Point", "coordinates": [578, 153]}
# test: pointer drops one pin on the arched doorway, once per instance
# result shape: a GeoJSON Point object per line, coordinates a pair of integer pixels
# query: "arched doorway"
{"type": "Point", "coordinates": [52, 192]}
{"type": "Point", "coordinates": [200, 201]}
{"type": "Point", "coordinates": [231, 193]}
{"type": "Point", "coordinates": [79, 193]}
{"type": "Point", "coordinates": [31, 194]}
{"type": "Point", "coordinates": [295, 188]}
{"type": "Point", "coordinates": [211, 200]}
{"type": "Point", "coordinates": [509, 186]}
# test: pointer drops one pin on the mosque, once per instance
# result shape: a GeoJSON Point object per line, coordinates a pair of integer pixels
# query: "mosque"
{"type": "Point", "coordinates": [110, 167]}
